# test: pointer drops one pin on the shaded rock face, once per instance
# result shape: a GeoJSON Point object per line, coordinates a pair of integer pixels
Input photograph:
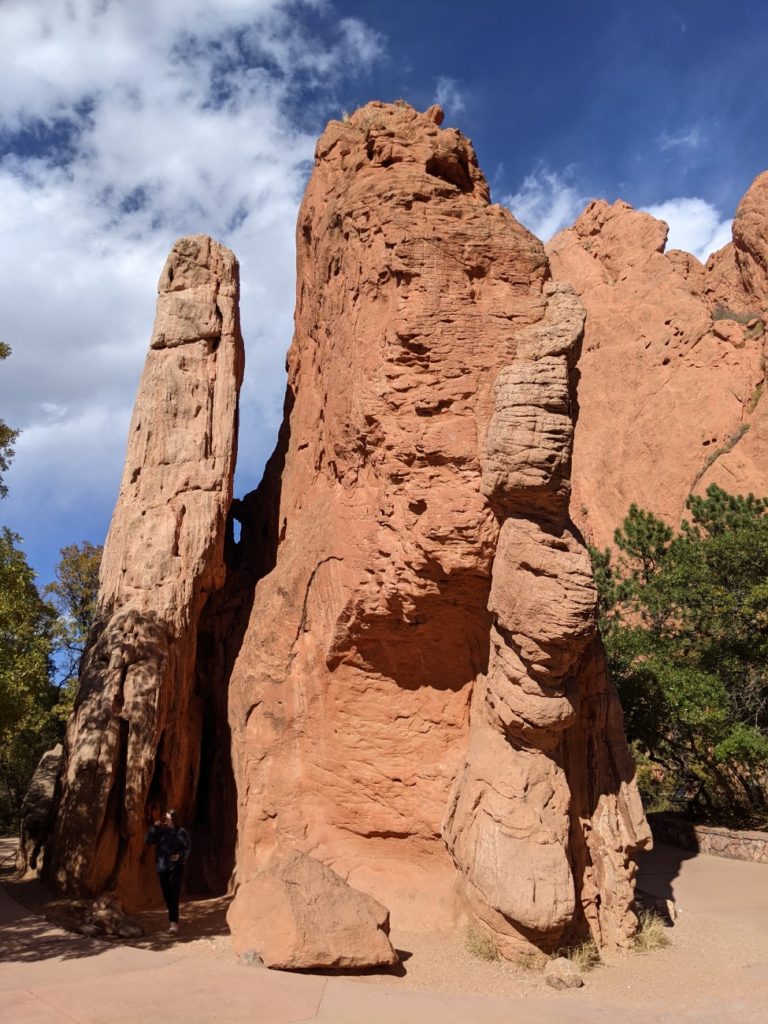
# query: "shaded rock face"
{"type": "Point", "coordinates": [133, 742]}
{"type": "Point", "coordinates": [420, 701]}
{"type": "Point", "coordinates": [673, 363]}
{"type": "Point", "coordinates": [37, 810]}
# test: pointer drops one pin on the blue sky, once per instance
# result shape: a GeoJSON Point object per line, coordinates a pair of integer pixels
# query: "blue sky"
{"type": "Point", "coordinates": [649, 100]}
{"type": "Point", "coordinates": [126, 123]}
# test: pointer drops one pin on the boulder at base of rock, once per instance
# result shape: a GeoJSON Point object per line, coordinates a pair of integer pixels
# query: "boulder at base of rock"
{"type": "Point", "coordinates": [298, 913]}
{"type": "Point", "coordinates": [562, 973]}
{"type": "Point", "coordinates": [36, 810]}
{"type": "Point", "coordinates": [106, 918]}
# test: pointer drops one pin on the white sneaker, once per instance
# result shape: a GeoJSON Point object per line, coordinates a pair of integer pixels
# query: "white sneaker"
{"type": "Point", "coordinates": [173, 928]}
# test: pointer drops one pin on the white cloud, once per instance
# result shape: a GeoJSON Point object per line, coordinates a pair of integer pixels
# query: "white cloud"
{"type": "Point", "coordinates": [449, 95]}
{"type": "Point", "coordinates": [691, 138]}
{"type": "Point", "coordinates": [695, 225]}
{"type": "Point", "coordinates": [549, 201]}
{"type": "Point", "coordinates": [130, 123]}
{"type": "Point", "coordinates": [546, 202]}
{"type": "Point", "coordinates": [366, 44]}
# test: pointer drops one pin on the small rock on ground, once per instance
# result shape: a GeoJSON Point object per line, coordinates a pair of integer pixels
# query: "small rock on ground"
{"type": "Point", "coordinates": [562, 973]}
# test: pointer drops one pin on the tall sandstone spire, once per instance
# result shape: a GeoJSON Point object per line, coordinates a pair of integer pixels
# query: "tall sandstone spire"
{"type": "Point", "coordinates": [133, 741]}
{"type": "Point", "coordinates": [420, 699]}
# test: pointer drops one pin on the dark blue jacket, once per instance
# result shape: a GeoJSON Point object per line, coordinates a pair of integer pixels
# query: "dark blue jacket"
{"type": "Point", "coordinates": [172, 846]}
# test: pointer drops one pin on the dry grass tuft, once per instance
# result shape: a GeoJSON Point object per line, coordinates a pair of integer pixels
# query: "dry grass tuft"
{"type": "Point", "coordinates": [651, 932]}
{"type": "Point", "coordinates": [584, 955]}
{"type": "Point", "coordinates": [480, 945]}
{"type": "Point", "coordinates": [533, 962]}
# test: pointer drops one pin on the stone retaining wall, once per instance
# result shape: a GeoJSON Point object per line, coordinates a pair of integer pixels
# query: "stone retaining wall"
{"type": "Point", "coordinates": [721, 842]}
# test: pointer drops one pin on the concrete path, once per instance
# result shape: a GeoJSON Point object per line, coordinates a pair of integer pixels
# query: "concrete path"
{"type": "Point", "coordinates": [49, 976]}
{"type": "Point", "coordinates": [731, 890]}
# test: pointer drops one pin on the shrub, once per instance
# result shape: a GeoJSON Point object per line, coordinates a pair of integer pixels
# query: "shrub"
{"type": "Point", "coordinates": [534, 962]}
{"type": "Point", "coordinates": [651, 932]}
{"type": "Point", "coordinates": [480, 944]}
{"type": "Point", "coordinates": [721, 313]}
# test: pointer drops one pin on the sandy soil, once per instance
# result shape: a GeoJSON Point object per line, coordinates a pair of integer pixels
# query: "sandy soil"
{"type": "Point", "coordinates": [717, 957]}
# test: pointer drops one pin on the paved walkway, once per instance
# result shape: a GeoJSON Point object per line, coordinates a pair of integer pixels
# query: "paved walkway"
{"type": "Point", "coordinates": [48, 976]}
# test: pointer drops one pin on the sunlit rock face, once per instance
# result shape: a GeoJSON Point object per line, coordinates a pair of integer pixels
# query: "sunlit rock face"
{"type": "Point", "coordinates": [420, 699]}
{"type": "Point", "coordinates": [672, 371]}
{"type": "Point", "coordinates": [134, 741]}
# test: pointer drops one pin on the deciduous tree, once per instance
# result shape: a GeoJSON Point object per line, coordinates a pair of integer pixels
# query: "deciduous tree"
{"type": "Point", "coordinates": [27, 698]}
{"type": "Point", "coordinates": [7, 435]}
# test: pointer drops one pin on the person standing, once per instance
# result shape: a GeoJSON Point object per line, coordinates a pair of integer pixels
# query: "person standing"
{"type": "Point", "coordinates": [172, 847]}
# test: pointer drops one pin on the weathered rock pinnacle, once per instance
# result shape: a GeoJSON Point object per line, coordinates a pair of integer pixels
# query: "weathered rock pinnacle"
{"type": "Point", "coordinates": [404, 638]}
{"type": "Point", "coordinates": [133, 742]}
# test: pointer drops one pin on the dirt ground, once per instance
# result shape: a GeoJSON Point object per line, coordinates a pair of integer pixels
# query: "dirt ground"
{"type": "Point", "coordinates": [716, 965]}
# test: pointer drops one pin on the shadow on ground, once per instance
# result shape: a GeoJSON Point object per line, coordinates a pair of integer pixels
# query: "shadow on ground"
{"type": "Point", "coordinates": [200, 918]}
{"type": "Point", "coordinates": [658, 868]}
{"type": "Point", "coordinates": [30, 939]}
{"type": "Point", "coordinates": [42, 925]}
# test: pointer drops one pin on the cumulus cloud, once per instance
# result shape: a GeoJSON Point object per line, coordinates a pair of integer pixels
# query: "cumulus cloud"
{"type": "Point", "coordinates": [546, 202]}
{"type": "Point", "coordinates": [695, 225]}
{"type": "Point", "coordinates": [449, 95]}
{"type": "Point", "coordinates": [123, 125]}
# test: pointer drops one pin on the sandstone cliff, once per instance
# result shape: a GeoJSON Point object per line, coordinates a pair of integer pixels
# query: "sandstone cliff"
{"type": "Point", "coordinates": [673, 364]}
{"type": "Point", "coordinates": [133, 742]}
{"type": "Point", "coordinates": [417, 558]}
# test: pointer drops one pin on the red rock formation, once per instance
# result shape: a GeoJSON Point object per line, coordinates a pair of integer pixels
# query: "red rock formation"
{"type": "Point", "coordinates": [313, 918]}
{"type": "Point", "coordinates": [405, 634]}
{"type": "Point", "coordinates": [421, 551]}
{"type": "Point", "coordinates": [673, 363]}
{"type": "Point", "coordinates": [133, 742]}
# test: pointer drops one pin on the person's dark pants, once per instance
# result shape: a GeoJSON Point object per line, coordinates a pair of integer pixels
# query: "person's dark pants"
{"type": "Point", "coordinates": [170, 883]}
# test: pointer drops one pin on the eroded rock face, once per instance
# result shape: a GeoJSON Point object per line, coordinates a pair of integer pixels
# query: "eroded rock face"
{"type": "Point", "coordinates": [673, 363]}
{"type": "Point", "coordinates": [133, 742]}
{"type": "Point", "coordinates": [421, 559]}
{"type": "Point", "coordinates": [750, 241]}
{"type": "Point", "coordinates": [526, 824]}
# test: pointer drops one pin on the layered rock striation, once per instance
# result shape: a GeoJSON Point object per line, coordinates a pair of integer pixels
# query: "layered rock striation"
{"type": "Point", "coordinates": [133, 742]}
{"type": "Point", "coordinates": [673, 362]}
{"type": "Point", "coordinates": [539, 819]}
{"type": "Point", "coordinates": [420, 701]}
